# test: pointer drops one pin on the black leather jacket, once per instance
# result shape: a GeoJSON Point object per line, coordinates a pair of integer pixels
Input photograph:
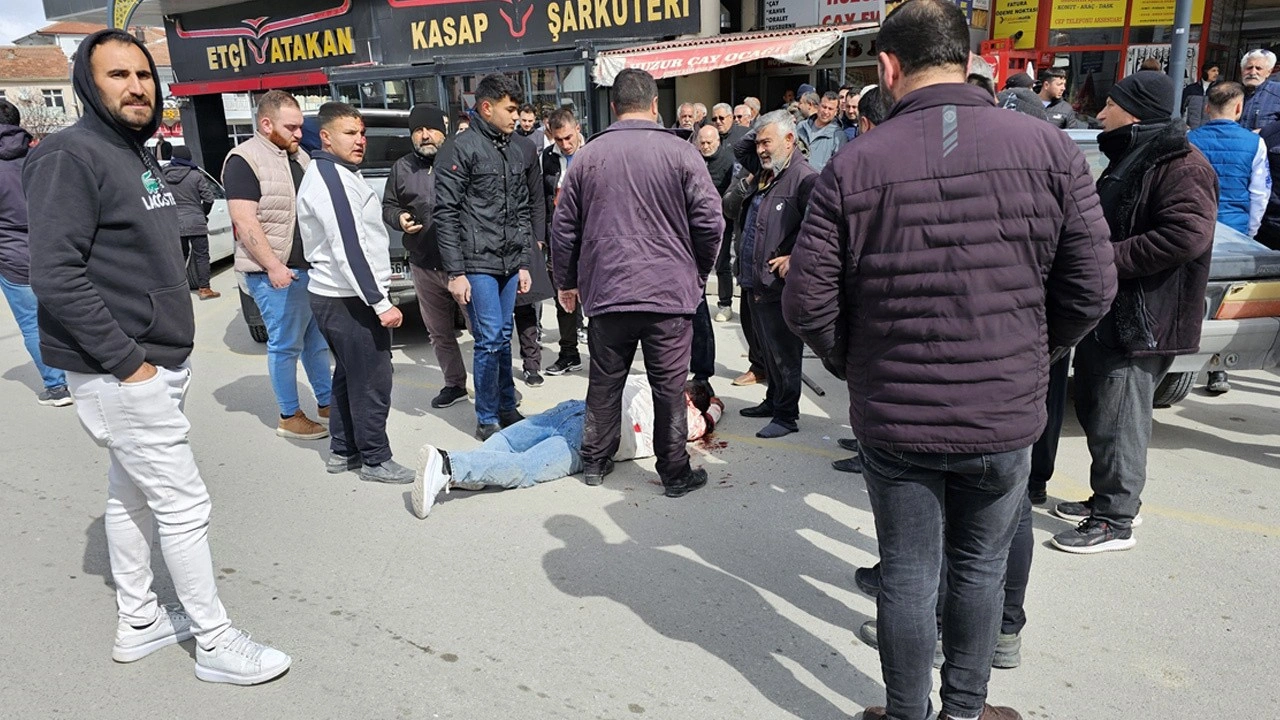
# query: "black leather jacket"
{"type": "Point", "coordinates": [482, 218]}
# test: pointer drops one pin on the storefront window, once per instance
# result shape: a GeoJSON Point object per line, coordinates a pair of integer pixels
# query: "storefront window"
{"type": "Point", "coordinates": [1090, 76]}
{"type": "Point", "coordinates": [1159, 34]}
{"type": "Point", "coordinates": [426, 91]}
{"type": "Point", "coordinates": [573, 93]}
{"type": "Point", "coordinates": [349, 93]}
{"type": "Point", "coordinates": [461, 91]}
{"type": "Point", "coordinates": [542, 91]}
{"type": "Point", "coordinates": [396, 94]}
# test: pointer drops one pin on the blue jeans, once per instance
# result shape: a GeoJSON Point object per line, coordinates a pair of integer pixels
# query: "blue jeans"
{"type": "Point", "coordinates": [492, 309]}
{"type": "Point", "coordinates": [22, 301]}
{"type": "Point", "coordinates": [927, 504]}
{"type": "Point", "coordinates": [542, 447]}
{"type": "Point", "coordinates": [292, 334]}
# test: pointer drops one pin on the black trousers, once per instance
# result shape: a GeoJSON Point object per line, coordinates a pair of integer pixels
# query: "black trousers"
{"type": "Point", "coordinates": [755, 354]}
{"type": "Point", "coordinates": [703, 359]}
{"type": "Point", "coordinates": [568, 324]}
{"type": "Point", "coordinates": [665, 341]}
{"type": "Point", "coordinates": [528, 332]}
{"type": "Point", "coordinates": [361, 377]}
{"type": "Point", "coordinates": [724, 268]}
{"type": "Point", "coordinates": [783, 352]}
{"type": "Point", "coordinates": [195, 249]}
{"type": "Point", "coordinates": [1045, 452]}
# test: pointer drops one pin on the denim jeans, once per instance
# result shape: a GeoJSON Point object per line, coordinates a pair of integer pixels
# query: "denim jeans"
{"type": "Point", "coordinates": [22, 301]}
{"type": "Point", "coordinates": [292, 334]}
{"type": "Point", "coordinates": [925, 505]}
{"type": "Point", "coordinates": [1113, 404]}
{"type": "Point", "coordinates": [492, 312]}
{"type": "Point", "coordinates": [152, 481]}
{"type": "Point", "coordinates": [542, 447]}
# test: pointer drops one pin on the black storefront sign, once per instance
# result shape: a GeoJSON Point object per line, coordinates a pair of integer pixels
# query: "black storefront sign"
{"type": "Point", "coordinates": [257, 38]}
{"type": "Point", "coordinates": [419, 30]}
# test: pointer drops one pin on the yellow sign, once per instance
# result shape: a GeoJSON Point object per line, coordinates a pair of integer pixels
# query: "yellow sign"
{"type": "Point", "coordinates": [1014, 15]}
{"type": "Point", "coordinates": [282, 49]}
{"type": "Point", "coordinates": [122, 11]}
{"type": "Point", "coordinates": [1079, 14]}
{"type": "Point", "coordinates": [1160, 12]}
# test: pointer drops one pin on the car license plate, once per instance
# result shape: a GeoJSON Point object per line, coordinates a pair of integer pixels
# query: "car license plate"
{"type": "Point", "coordinates": [399, 270]}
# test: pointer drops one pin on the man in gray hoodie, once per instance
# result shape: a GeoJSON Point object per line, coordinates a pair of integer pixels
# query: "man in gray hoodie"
{"type": "Point", "coordinates": [115, 313]}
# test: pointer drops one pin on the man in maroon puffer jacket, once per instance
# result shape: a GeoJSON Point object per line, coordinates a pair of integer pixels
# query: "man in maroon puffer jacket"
{"type": "Point", "coordinates": [938, 282]}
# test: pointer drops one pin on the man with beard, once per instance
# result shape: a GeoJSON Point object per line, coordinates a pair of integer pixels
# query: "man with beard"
{"type": "Point", "coordinates": [1261, 93]}
{"type": "Point", "coordinates": [566, 139]}
{"type": "Point", "coordinates": [1160, 198]}
{"type": "Point", "coordinates": [1053, 85]}
{"type": "Point", "coordinates": [407, 203]}
{"type": "Point", "coordinates": [768, 223]}
{"type": "Point", "coordinates": [261, 178]}
{"type": "Point", "coordinates": [115, 313]}
{"type": "Point", "coordinates": [718, 155]}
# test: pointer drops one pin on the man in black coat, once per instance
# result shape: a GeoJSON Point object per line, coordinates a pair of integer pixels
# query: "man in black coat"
{"type": "Point", "coordinates": [195, 197]}
{"type": "Point", "coordinates": [528, 305]}
{"type": "Point", "coordinates": [565, 134]}
{"type": "Point", "coordinates": [485, 230]}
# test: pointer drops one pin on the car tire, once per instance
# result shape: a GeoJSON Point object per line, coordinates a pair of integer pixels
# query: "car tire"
{"type": "Point", "coordinates": [1173, 389]}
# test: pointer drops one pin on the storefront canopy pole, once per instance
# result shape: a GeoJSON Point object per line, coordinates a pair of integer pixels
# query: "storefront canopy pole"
{"type": "Point", "coordinates": [1178, 52]}
{"type": "Point", "coordinates": [844, 60]}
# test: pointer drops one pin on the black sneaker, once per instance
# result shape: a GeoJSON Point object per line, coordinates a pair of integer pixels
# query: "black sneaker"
{"type": "Point", "coordinates": [55, 397]}
{"type": "Point", "coordinates": [1094, 535]}
{"type": "Point", "coordinates": [1078, 512]}
{"type": "Point", "coordinates": [507, 418]}
{"type": "Point", "coordinates": [691, 481]}
{"type": "Point", "coordinates": [532, 378]}
{"type": "Point", "coordinates": [449, 396]}
{"type": "Point", "coordinates": [595, 477]}
{"type": "Point", "coordinates": [868, 580]}
{"type": "Point", "coordinates": [1038, 493]}
{"type": "Point", "coordinates": [484, 431]}
{"type": "Point", "coordinates": [564, 365]}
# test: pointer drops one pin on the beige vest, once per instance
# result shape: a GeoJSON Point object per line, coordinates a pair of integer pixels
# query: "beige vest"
{"type": "Point", "coordinates": [277, 208]}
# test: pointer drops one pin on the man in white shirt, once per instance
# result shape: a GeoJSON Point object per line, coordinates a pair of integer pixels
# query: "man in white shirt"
{"type": "Point", "coordinates": [346, 242]}
{"type": "Point", "coordinates": [548, 446]}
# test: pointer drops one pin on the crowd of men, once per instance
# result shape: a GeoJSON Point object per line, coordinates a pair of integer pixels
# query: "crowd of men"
{"type": "Point", "coordinates": [951, 318]}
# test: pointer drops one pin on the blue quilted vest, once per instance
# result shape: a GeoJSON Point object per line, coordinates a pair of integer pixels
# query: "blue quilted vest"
{"type": "Point", "coordinates": [1230, 150]}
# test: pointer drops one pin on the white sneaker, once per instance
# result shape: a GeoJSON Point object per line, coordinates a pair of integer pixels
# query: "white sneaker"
{"type": "Point", "coordinates": [431, 478]}
{"type": "Point", "coordinates": [724, 315]}
{"type": "Point", "coordinates": [240, 661]}
{"type": "Point", "coordinates": [170, 628]}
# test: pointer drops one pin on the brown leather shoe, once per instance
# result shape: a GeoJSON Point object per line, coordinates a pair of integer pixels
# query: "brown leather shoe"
{"type": "Point", "coordinates": [991, 712]}
{"type": "Point", "coordinates": [301, 427]}
{"type": "Point", "coordinates": [209, 294]}
{"type": "Point", "coordinates": [874, 713]}
{"type": "Point", "coordinates": [748, 378]}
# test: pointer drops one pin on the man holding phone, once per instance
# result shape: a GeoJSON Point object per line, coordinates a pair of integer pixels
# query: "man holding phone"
{"type": "Point", "coordinates": [407, 203]}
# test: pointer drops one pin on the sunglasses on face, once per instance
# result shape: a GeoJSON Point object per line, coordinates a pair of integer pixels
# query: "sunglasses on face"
{"type": "Point", "coordinates": [719, 117]}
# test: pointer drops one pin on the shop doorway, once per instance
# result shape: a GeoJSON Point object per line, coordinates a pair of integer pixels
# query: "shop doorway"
{"type": "Point", "coordinates": [776, 86]}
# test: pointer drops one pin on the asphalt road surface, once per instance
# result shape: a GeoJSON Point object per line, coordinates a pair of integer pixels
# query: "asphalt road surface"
{"type": "Point", "coordinates": [564, 601]}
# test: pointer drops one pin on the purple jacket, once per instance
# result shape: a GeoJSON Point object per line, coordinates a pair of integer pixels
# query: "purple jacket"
{"type": "Point", "coordinates": [938, 279]}
{"type": "Point", "coordinates": [638, 223]}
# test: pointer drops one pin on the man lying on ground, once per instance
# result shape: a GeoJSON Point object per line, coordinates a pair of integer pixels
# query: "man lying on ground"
{"type": "Point", "coordinates": [548, 446]}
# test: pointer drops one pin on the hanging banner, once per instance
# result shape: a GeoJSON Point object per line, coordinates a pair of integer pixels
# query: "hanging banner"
{"type": "Point", "coordinates": [1160, 13]}
{"type": "Point", "coordinates": [1081, 14]}
{"type": "Point", "coordinates": [849, 12]}
{"type": "Point", "coordinates": [1014, 16]}
{"type": "Point", "coordinates": [252, 39]}
{"type": "Point", "coordinates": [686, 57]}
{"type": "Point", "coordinates": [420, 30]}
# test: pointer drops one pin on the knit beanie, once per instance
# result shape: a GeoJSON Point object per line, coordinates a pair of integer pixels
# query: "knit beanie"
{"type": "Point", "coordinates": [1146, 95]}
{"type": "Point", "coordinates": [1019, 80]}
{"type": "Point", "coordinates": [1021, 99]}
{"type": "Point", "coordinates": [428, 116]}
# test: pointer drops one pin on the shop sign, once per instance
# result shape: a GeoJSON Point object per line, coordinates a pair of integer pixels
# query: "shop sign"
{"type": "Point", "coordinates": [1081, 14]}
{"type": "Point", "coordinates": [850, 12]}
{"type": "Point", "coordinates": [782, 14]}
{"type": "Point", "coordinates": [253, 38]}
{"type": "Point", "coordinates": [1137, 54]}
{"type": "Point", "coordinates": [685, 58]}
{"type": "Point", "coordinates": [419, 30]}
{"type": "Point", "coordinates": [1160, 13]}
{"type": "Point", "coordinates": [1012, 16]}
